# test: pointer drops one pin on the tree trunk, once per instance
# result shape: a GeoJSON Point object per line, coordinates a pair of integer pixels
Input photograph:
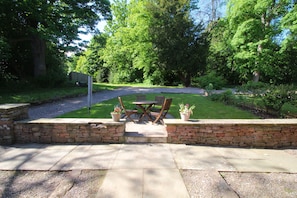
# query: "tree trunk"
{"type": "Point", "coordinates": [38, 51]}
{"type": "Point", "coordinates": [256, 76]}
{"type": "Point", "coordinates": [187, 80]}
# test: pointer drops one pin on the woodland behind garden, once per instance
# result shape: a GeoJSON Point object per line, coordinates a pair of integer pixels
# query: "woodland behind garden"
{"type": "Point", "coordinates": [208, 44]}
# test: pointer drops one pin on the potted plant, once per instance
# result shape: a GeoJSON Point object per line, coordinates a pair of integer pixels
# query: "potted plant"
{"type": "Point", "coordinates": [185, 111]}
{"type": "Point", "coordinates": [116, 113]}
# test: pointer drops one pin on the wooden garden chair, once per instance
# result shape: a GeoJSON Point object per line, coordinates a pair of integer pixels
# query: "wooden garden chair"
{"type": "Point", "coordinates": [158, 106]}
{"type": "Point", "coordinates": [163, 112]}
{"type": "Point", "coordinates": [127, 112]}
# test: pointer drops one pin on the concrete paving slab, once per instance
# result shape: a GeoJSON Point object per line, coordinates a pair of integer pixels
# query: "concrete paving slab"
{"type": "Point", "coordinates": [14, 158]}
{"type": "Point", "coordinates": [238, 153]}
{"type": "Point", "coordinates": [200, 158]}
{"type": "Point", "coordinates": [143, 183]}
{"type": "Point", "coordinates": [280, 160]}
{"type": "Point", "coordinates": [163, 183]}
{"type": "Point", "coordinates": [206, 184]}
{"type": "Point", "coordinates": [122, 183]}
{"type": "Point", "coordinates": [106, 146]}
{"type": "Point", "coordinates": [88, 157]}
{"type": "Point", "coordinates": [254, 165]}
{"type": "Point", "coordinates": [41, 160]}
{"type": "Point", "coordinates": [259, 160]}
{"type": "Point", "coordinates": [45, 156]}
{"type": "Point", "coordinates": [4, 149]}
{"type": "Point", "coordinates": [60, 147]}
{"type": "Point", "coordinates": [137, 156]}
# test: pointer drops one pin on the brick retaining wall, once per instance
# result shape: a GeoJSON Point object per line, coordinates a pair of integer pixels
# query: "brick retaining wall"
{"type": "Point", "coordinates": [266, 133]}
{"type": "Point", "coordinates": [8, 114]}
{"type": "Point", "coordinates": [15, 129]}
{"type": "Point", "coordinates": [69, 131]}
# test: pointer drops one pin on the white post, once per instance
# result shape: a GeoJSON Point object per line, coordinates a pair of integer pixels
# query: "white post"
{"type": "Point", "coordinates": [90, 81]}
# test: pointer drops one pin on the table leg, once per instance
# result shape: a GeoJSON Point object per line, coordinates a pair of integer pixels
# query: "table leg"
{"type": "Point", "coordinates": [145, 112]}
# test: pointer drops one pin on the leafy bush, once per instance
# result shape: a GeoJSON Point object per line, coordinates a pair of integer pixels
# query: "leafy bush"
{"type": "Point", "coordinates": [276, 96]}
{"type": "Point", "coordinates": [5, 55]}
{"type": "Point", "coordinates": [213, 78]}
{"type": "Point", "coordinates": [209, 89]}
{"type": "Point", "coordinates": [101, 75]}
{"type": "Point", "coordinates": [254, 87]}
{"type": "Point", "coordinates": [53, 78]}
{"type": "Point", "coordinates": [226, 97]}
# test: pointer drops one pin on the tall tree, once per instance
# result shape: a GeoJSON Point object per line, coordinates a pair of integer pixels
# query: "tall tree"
{"type": "Point", "coordinates": [56, 21]}
{"type": "Point", "coordinates": [128, 52]}
{"type": "Point", "coordinates": [253, 26]}
{"type": "Point", "coordinates": [220, 51]}
{"type": "Point", "coordinates": [179, 43]}
{"type": "Point", "coordinates": [289, 44]}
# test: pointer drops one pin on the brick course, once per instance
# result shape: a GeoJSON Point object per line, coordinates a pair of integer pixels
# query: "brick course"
{"type": "Point", "coordinates": [270, 133]}
{"type": "Point", "coordinates": [69, 131]}
{"type": "Point", "coordinates": [8, 114]}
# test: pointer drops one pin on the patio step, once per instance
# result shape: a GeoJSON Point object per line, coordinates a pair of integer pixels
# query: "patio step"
{"type": "Point", "coordinates": [145, 133]}
{"type": "Point", "coordinates": [131, 137]}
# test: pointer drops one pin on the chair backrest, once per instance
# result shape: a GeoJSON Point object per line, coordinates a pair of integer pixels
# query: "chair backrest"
{"type": "Point", "coordinates": [165, 108]}
{"type": "Point", "coordinates": [159, 99]}
{"type": "Point", "coordinates": [121, 103]}
{"type": "Point", "coordinates": [140, 97]}
{"type": "Point", "coordinates": [167, 104]}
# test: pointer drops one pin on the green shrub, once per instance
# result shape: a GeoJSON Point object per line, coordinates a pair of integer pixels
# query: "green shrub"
{"type": "Point", "coordinates": [254, 87]}
{"type": "Point", "coordinates": [101, 75]}
{"type": "Point", "coordinates": [226, 97]}
{"type": "Point", "coordinates": [276, 96]}
{"type": "Point", "coordinates": [213, 78]}
{"type": "Point", "coordinates": [53, 78]}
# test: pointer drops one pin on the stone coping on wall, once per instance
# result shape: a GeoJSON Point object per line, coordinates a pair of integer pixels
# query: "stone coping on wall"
{"type": "Point", "coordinates": [13, 106]}
{"type": "Point", "coordinates": [73, 121]}
{"type": "Point", "coordinates": [14, 111]}
{"type": "Point", "coordinates": [231, 121]}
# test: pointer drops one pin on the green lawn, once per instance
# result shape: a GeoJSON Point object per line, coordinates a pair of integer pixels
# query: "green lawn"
{"type": "Point", "coordinates": [205, 109]}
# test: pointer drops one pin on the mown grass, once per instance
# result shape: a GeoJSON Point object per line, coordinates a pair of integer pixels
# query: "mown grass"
{"type": "Point", "coordinates": [205, 109]}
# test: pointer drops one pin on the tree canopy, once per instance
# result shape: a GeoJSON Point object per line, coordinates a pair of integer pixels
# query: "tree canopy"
{"type": "Point", "coordinates": [33, 25]}
{"type": "Point", "coordinates": [164, 42]}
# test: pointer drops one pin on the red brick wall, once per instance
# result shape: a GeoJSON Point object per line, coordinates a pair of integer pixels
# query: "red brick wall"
{"type": "Point", "coordinates": [69, 131]}
{"type": "Point", "coordinates": [239, 133]}
{"type": "Point", "coordinates": [8, 114]}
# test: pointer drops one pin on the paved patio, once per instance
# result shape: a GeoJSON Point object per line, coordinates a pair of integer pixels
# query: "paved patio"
{"type": "Point", "coordinates": [150, 170]}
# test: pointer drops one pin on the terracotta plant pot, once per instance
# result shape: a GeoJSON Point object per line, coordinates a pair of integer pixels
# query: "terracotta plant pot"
{"type": "Point", "coordinates": [185, 116]}
{"type": "Point", "coordinates": [115, 117]}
